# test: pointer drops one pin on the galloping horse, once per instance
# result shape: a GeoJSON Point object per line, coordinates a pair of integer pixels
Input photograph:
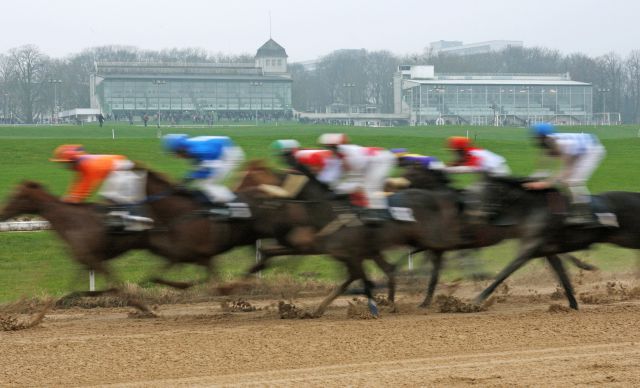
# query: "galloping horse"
{"type": "Point", "coordinates": [543, 231]}
{"type": "Point", "coordinates": [341, 235]}
{"type": "Point", "coordinates": [476, 232]}
{"type": "Point", "coordinates": [183, 232]}
{"type": "Point", "coordinates": [81, 226]}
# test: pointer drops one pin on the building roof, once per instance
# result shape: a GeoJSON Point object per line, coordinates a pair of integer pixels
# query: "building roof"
{"type": "Point", "coordinates": [271, 49]}
{"type": "Point", "coordinates": [512, 81]}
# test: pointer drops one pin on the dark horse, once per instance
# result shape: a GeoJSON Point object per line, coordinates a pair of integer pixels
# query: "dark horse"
{"type": "Point", "coordinates": [543, 232]}
{"type": "Point", "coordinates": [476, 233]}
{"type": "Point", "coordinates": [339, 233]}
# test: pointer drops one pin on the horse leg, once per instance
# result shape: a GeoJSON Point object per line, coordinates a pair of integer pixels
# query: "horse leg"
{"type": "Point", "coordinates": [436, 260]}
{"type": "Point", "coordinates": [368, 291]}
{"type": "Point", "coordinates": [579, 263]}
{"type": "Point", "coordinates": [559, 269]}
{"type": "Point", "coordinates": [354, 274]}
{"type": "Point", "coordinates": [524, 256]}
{"type": "Point", "coordinates": [389, 271]}
{"type": "Point", "coordinates": [130, 299]}
{"type": "Point", "coordinates": [332, 296]}
{"type": "Point", "coordinates": [182, 285]}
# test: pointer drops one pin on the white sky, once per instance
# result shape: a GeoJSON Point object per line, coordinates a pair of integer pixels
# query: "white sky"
{"type": "Point", "coordinates": [311, 28]}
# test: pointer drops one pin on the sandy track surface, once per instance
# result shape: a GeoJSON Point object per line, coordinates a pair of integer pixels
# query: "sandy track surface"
{"type": "Point", "coordinates": [515, 342]}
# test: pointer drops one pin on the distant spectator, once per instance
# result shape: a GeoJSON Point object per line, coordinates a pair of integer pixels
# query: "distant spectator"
{"type": "Point", "coordinates": [100, 119]}
{"type": "Point", "coordinates": [145, 119]}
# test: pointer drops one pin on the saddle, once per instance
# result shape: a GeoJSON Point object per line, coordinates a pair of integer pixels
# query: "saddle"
{"type": "Point", "coordinates": [228, 211]}
{"type": "Point", "coordinates": [125, 218]}
{"type": "Point", "coordinates": [598, 208]}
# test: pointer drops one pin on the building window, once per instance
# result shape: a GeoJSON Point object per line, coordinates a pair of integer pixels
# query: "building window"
{"type": "Point", "coordinates": [279, 62]}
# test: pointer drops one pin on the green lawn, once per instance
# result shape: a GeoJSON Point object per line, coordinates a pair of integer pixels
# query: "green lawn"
{"type": "Point", "coordinates": [33, 263]}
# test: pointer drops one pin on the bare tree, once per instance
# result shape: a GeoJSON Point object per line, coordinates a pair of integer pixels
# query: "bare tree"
{"type": "Point", "coordinates": [632, 67]}
{"type": "Point", "coordinates": [28, 66]}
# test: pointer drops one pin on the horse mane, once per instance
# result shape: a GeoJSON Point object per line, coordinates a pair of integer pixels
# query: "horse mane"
{"type": "Point", "coordinates": [40, 192]}
{"type": "Point", "coordinates": [516, 182]}
{"type": "Point", "coordinates": [257, 164]}
{"type": "Point", "coordinates": [510, 180]}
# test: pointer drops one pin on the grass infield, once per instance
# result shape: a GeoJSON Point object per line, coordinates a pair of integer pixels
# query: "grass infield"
{"type": "Point", "coordinates": [35, 263]}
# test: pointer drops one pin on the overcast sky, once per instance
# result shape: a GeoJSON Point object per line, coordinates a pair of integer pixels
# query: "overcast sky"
{"type": "Point", "coordinates": [312, 28]}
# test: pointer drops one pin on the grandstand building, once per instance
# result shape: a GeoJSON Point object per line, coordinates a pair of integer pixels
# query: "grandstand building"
{"type": "Point", "coordinates": [490, 99]}
{"type": "Point", "coordinates": [261, 88]}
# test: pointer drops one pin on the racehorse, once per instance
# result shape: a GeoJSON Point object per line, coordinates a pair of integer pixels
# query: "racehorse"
{"type": "Point", "coordinates": [476, 232]}
{"type": "Point", "coordinates": [540, 217]}
{"type": "Point", "coordinates": [183, 232]}
{"type": "Point", "coordinates": [341, 235]}
{"type": "Point", "coordinates": [81, 226]}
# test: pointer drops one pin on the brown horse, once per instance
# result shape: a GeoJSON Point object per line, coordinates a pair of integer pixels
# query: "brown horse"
{"type": "Point", "coordinates": [81, 227]}
{"type": "Point", "coordinates": [183, 233]}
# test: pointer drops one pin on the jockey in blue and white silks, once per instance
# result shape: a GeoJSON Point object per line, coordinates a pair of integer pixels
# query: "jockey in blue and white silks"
{"type": "Point", "coordinates": [214, 158]}
{"type": "Point", "coordinates": [580, 153]}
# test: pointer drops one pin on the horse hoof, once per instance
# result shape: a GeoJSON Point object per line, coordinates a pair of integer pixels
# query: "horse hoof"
{"type": "Point", "coordinates": [373, 309]}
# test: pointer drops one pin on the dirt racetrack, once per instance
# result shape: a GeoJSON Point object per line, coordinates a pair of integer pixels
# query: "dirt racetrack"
{"type": "Point", "coordinates": [518, 341]}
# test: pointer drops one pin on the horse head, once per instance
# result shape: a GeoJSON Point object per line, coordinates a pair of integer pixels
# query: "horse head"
{"type": "Point", "coordinates": [257, 172]}
{"type": "Point", "coordinates": [27, 198]}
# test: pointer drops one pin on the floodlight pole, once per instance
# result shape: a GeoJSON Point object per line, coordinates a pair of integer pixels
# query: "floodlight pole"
{"type": "Point", "coordinates": [349, 86]}
{"type": "Point", "coordinates": [256, 84]}
{"type": "Point", "coordinates": [604, 92]}
{"type": "Point", "coordinates": [158, 82]}
{"type": "Point", "coordinates": [55, 83]}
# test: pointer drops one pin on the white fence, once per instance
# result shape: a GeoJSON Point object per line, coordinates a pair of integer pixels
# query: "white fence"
{"type": "Point", "coordinates": [23, 226]}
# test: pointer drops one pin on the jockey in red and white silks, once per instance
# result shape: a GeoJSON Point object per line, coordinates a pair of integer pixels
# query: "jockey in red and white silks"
{"type": "Point", "coordinates": [354, 168]}
{"type": "Point", "coordinates": [470, 158]}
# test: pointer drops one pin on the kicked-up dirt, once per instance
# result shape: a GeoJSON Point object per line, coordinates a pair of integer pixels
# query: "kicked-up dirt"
{"type": "Point", "coordinates": [516, 341]}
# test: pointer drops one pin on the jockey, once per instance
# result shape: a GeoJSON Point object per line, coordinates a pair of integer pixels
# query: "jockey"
{"type": "Point", "coordinates": [113, 174]}
{"type": "Point", "coordinates": [352, 168]}
{"type": "Point", "coordinates": [473, 159]}
{"type": "Point", "coordinates": [214, 158]}
{"type": "Point", "coordinates": [95, 171]}
{"type": "Point", "coordinates": [580, 153]}
{"type": "Point", "coordinates": [307, 161]}
{"type": "Point", "coordinates": [302, 159]}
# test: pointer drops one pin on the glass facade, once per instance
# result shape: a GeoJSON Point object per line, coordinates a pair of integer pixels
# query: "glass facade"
{"type": "Point", "coordinates": [474, 103]}
{"type": "Point", "coordinates": [182, 95]}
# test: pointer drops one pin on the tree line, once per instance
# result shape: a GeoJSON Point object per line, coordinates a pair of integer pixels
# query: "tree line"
{"type": "Point", "coordinates": [34, 85]}
{"type": "Point", "coordinates": [29, 78]}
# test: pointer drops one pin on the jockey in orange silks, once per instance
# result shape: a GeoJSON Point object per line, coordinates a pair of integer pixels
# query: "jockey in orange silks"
{"type": "Point", "coordinates": [111, 173]}
{"type": "Point", "coordinates": [113, 176]}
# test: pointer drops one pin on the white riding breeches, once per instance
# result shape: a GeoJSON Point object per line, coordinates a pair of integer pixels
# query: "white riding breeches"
{"type": "Point", "coordinates": [370, 180]}
{"type": "Point", "coordinates": [212, 186]}
{"type": "Point", "coordinates": [581, 171]}
{"type": "Point", "coordinates": [123, 185]}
